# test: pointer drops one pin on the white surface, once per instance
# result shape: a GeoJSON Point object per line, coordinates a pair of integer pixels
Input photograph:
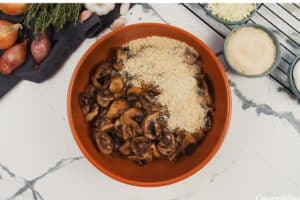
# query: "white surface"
{"type": "Point", "coordinates": [260, 155]}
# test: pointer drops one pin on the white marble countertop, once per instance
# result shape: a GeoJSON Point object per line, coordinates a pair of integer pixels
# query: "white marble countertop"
{"type": "Point", "coordinates": [260, 157]}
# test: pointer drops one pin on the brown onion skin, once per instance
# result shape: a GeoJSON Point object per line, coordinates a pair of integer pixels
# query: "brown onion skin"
{"type": "Point", "coordinates": [11, 37]}
{"type": "Point", "coordinates": [40, 48]}
{"type": "Point", "coordinates": [13, 58]}
{"type": "Point", "coordinates": [13, 8]}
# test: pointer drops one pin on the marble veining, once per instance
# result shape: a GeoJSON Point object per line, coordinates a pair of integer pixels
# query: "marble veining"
{"type": "Point", "coordinates": [265, 108]}
{"type": "Point", "coordinates": [29, 184]}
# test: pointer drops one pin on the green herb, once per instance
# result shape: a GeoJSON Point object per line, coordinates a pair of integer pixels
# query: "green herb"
{"type": "Point", "coordinates": [40, 16]}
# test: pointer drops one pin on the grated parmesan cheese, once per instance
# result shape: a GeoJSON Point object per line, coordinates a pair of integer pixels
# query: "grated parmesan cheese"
{"type": "Point", "coordinates": [160, 61]}
{"type": "Point", "coordinates": [250, 51]}
{"type": "Point", "coordinates": [231, 11]}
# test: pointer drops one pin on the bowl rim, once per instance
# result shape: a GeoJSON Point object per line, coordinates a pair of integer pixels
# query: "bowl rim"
{"type": "Point", "coordinates": [225, 22]}
{"type": "Point", "coordinates": [291, 77]}
{"type": "Point", "coordinates": [273, 37]}
{"type": "Point", "coordinates": [169, 181]}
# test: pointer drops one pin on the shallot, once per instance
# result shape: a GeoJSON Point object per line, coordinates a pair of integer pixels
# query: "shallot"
{"type": "Point", "coordinates": [40, 48]}
{"type": "Point", "coordinates": [8, 33]}
{"type": "Point", "coordinates": [85, 15]}
{"type": "Point", "coordinates": [13, 8]}
{"type": "Point", "coordinates": [13, 57]}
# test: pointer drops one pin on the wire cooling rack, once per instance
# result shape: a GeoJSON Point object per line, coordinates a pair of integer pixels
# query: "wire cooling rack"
{"type": "Point", "coordinates": [282, 19]}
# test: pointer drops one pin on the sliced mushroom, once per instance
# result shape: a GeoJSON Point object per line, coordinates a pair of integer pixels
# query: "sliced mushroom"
{"type": "Point", "coordinates": [118, 66]}
{"type": "Point", "coordinates": [117, 140]}
{"type": "Point", "coordinates": [104, 100]}
{"type": "Point", "coordinates": [150, 107]}
{"type": "Point", "coordinates": [90, 90]}
{"type": "Point", "coordinates": [101, 76]}
{"type": "Point", "coordinates": [116, 109]}
{"type": "Point", "coordinates": [142, 159]}
{"type": "Point", "coordinates": [125, 149]}
{"type": "Point", "coordinates": [139, 145]}
{"type": "Point", "coordinates": [107, 126]}
{"type": "Point", "coordinates": [95, 82]}
{"type": "Point", "coordinates": [167, 145]}
{"type": "Point", "coordinates": [154, 151]}
{"type": "Point", "coordinates": [93, 113]}
{"type": "Point", "coordinates": [104, 143]}
{"type": "Point", "coordinates": [127, 132]}
{"type": "Point", "coordinates": [190, 57]}
{"type": "Point", "coordinates": [138, 159]}
{"type": "Point", "coordinates": [131, 117]}
{"type": "Point", "coordinates": [84, 102]}
{"type": "Point", "coordinates": [199, 135]}
{"type": "Point", "coordinates": [151, 126]}
{"type": "Point", "coordinates": [207, 99]}
{"type": "Point", "coordinates": [116, 85]}
{"type": "Point", "coordinates": [208, 122]}
{"type": "Point", "coordinates": [133, 93]}
{"type": "Point", "coordinates": [189, 144]}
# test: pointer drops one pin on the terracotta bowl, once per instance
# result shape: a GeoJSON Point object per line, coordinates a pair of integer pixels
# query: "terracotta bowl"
{"type": "Point", "coordinates": [159, 172]}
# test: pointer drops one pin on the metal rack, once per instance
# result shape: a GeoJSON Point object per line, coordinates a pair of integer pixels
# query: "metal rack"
{"type": "Point", "coordinates": [282, 19]}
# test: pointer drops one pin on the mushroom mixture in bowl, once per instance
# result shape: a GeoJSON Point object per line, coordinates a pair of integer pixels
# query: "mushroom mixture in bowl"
{"type": "Point", "coordinates": [149, 100]}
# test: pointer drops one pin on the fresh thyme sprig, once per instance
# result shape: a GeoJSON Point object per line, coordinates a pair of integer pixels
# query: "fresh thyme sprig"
{"type": "Point", "coordinates": [41, 16]}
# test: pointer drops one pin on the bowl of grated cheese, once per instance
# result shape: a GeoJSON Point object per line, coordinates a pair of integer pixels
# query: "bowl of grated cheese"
{"type": "Point", "coordinates": [158, 172]}
{"type": "Point", "coordinates": [231, 13]}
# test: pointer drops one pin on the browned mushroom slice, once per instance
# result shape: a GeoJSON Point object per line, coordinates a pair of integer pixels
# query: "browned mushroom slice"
{"type": "Point", "coordinates": [150, 90]}
{"type": "Point", "coordinates": [190, 57]}
{"type": "Point", "coordinates": [125, 148]}
{"type": "Point", "coordinates": [208, 122]}
{"type": "Point", "coordinates": [138, 159]}
{"type": "Point", "coordinates": [207, 99]}
{"type": "Point", "coordinates": [199, 135]}
{"type": "Point", "coordinates": [167, 145]}
{"type": "Point", "coordinates": [150, 107]}
{"type": "Point", "coordinates": [131, 117]}
{"type": "Point", "coordinates": [101, 76]}
{"type": "Point", "coordinates": [148, 157]}
{"type": "Point", "coordinates": [118, 54]}
{"type": "Point", "coordinates": [90, 90]}
{"type": "Point", "coordinates": [189, 144]}
{"type": "Point", "coordinates": [127, 132]}
{"type": "Point", "coordinates": [117, 108]}
{"type": "Point", "coordinates": [95, 82]}
{"type": "Point", "coordinates": [139, 145]}
{"type": "Point", "coordinates": [118, 66]}
{"type": "Point", "coordinates": [103, 100]}
{"type": "Point", "coordinates": [104, 143]}
{"type": "Point", "coordinates": [175, 155]}
{"type": "Point", "coordinates": [84, 102]}
{"type": "Point", "coordinates": [142, 159]}
{"type": "Point", "coordinates": [93, 113]}
{"type": "Point", "coordinates": [154, 151]}
{"type": "Point", "coordinates": [133, 93]}
{"type": "Point", "coordinates": [107, 126]}
{"type": "Point", "coordinates": [117, 140]}
{"type": "Point", "coordinates": [151, 126]}
{"type": "Point", "coordinates": [116, 85]}
{"type": "Point", "coordinates": [138, 105]}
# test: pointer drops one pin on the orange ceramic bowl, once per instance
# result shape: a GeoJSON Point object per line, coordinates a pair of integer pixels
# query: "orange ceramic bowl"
{"type": "Point", "coordinates": [158, 172]}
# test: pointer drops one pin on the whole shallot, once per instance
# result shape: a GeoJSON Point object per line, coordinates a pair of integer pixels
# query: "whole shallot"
{"type": "Point", "coordinates": [13, 57]}
{"type": "Point", "coordinates": [40, 48]}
